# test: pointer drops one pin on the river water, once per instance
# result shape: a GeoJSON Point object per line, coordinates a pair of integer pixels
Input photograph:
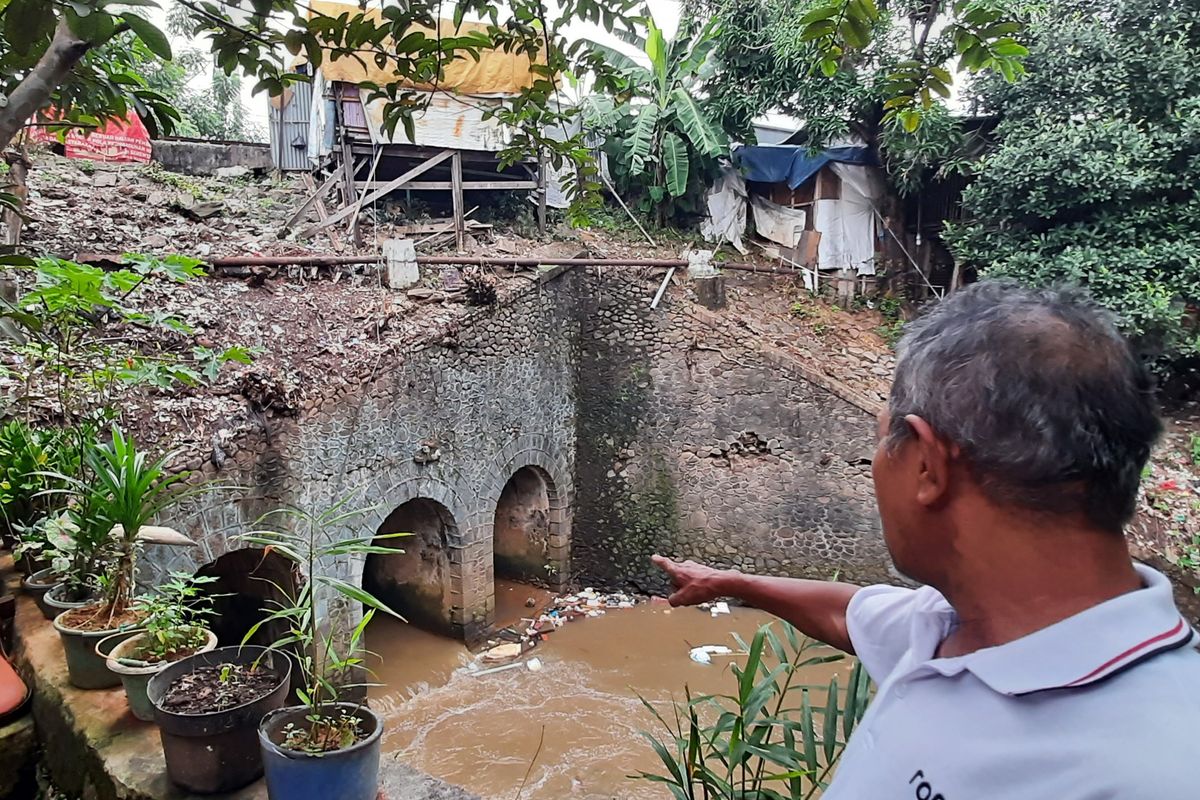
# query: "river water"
{"type": "Point", "coordinates": [580, 714]}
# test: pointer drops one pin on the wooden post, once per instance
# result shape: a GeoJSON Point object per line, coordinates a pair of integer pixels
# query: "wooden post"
{"type": "Point", "coordinates": [370, 179]}
{"type": "Point", "coordinates": [349, 192]}
{"type": "Point", "coordinates": [456, 189]}
{"type": "Point", "coordinates": [541, 190]}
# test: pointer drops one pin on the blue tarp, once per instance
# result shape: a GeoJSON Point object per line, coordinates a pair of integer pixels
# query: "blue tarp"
{"type": "Point", "coordinates": [793, 164]}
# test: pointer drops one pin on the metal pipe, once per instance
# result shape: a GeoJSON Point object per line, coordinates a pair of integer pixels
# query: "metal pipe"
{"type": "Point", "coordinates": [487, 261]}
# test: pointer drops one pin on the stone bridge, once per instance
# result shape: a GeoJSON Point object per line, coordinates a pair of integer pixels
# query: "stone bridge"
{"type": "Point", "coordinates": [565, 434]}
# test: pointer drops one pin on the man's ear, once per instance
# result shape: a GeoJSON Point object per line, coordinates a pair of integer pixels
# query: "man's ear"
{"type": "Point", "coordinates": [934, 456]}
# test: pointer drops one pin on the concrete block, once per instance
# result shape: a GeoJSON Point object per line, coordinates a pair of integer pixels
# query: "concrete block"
{"type": "Point", "coordinates": [400, 260]}
{"type": "Point", "coordinates": [700, 264]}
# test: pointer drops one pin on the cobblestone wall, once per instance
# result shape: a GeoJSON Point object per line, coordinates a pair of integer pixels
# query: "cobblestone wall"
{"type": "Point", "coordinates": [695, 441]}
{"type": "Point", "coordinates": [451, 423]}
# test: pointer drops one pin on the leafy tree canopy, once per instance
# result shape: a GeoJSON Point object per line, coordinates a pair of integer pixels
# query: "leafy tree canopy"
{"type": "Point", "coordinates": [1094, 176]}
{"type": "Point", "coordinates": [659, 139]}
{"type": "Point", "coordinates": [879, 72]}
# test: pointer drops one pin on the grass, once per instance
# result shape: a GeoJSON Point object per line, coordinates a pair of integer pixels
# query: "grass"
{"type": "Point", "coordinates": [156, 173]}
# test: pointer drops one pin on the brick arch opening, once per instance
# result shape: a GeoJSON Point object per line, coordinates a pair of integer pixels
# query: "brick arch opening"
{"type": "Point", "coordinates": [415, 581]}
{"type": "Point", "coordinates": [247, 591]}
{"type": "Point", "coordinates": [529, 536]}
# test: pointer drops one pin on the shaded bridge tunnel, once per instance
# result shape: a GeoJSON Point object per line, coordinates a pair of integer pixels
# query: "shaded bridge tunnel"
{"type": "Point", "coordinates": [442, 576]}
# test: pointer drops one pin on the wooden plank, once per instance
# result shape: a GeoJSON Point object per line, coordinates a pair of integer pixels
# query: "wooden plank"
{"type": "Point", "coordinates": [456, 177]}
{"type": "Point", "coordinates": [299, 213]}
{"type": "Point", "coordinates": [323, 213]}
{"type": "Point", "coordinates": [349, 193]}
{"type": "Point", "coordinates": [358, 201]}
{"type": "Point", "coordinates": [380, 192]}
{"type": "Point", "coordinates": [469, 186]}
{"type": "Point", "coordinates": [541, 195]}
{"type": "Point", "coordinates": [437, 226]}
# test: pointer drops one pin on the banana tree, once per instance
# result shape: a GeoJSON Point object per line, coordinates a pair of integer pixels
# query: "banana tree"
{"type": "Point", "coordinates": [659, 131]}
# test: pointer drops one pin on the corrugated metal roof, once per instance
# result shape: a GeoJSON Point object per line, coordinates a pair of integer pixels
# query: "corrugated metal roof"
{"type": "Point", "coordinates": [289, 130]}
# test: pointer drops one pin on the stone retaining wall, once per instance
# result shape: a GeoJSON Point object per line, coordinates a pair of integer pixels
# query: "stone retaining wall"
{"type": "Point", "coordinates": [696, 440]}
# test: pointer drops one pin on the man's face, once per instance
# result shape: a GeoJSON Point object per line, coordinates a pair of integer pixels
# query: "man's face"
{"type": "Point", "coordinates": [896, 472]}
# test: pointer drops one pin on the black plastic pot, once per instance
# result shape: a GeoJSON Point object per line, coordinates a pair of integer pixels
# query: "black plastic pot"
{"type": "Point", "coordinates": [37, 584]}
{"type": "Point", "coordinates": [56, 602]}
{"type": "Point", "coordinates": [349, 774]}
{"type": "Point", "coordinates": [216, 751]}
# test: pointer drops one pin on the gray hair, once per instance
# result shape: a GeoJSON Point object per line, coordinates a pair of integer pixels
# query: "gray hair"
{"type": "Point", "coordinates": [1050, 406]}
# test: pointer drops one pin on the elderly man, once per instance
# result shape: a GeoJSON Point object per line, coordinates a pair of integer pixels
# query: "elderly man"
{"type": "Point", "coordinates": [1037, 661]}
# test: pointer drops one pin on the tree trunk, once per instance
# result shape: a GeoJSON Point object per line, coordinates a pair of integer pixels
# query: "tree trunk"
{"type": "Point", "coordinates": [35, 91]}
{"type": "Point", "coordinates": [18, 171]}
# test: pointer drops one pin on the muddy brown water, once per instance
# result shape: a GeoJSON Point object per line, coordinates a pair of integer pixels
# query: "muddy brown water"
{"type": "Point", "coordinates": [582, 706]}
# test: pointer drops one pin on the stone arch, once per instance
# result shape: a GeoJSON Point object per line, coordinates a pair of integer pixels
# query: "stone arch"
{"type": "Point", "coordinates": [246, 591]}
{"type": "Point", "coordinates": [419, 580]}
{"type": "Point", "coordinates": [531, 528]}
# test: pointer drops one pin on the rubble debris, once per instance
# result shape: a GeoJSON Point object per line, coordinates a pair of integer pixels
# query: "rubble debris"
{"type": "Point", "coordinates": [480, 287]}
{"type": "Point", "coordinates": [427, 453]}
{"type": "Point", "coordinates": [502, 652]}
{"type": "Point", "coordinates": [273, 392]}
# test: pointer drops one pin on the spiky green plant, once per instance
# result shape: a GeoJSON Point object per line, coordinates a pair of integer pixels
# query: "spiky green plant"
{"type": "Point", "coordinates": [306, 539]}
{"type": "Point", "coordinates": [775, 739]}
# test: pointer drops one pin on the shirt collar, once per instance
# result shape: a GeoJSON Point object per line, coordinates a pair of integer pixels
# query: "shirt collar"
{"type": "Point", "coordinates": [1090, 646]}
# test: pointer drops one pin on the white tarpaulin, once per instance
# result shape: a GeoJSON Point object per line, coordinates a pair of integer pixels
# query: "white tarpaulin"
{"type": "Point", "coordinates": [726, 219]}
{"type": "Point", "coordinates": [320, 122]}
{"type": "Point", "coordinates": [847, 225]}
{"type": "Point", "coordinates": [778, 223]}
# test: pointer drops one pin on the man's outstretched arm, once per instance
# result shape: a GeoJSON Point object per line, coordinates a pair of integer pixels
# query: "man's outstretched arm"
{"type": "Point", "coordinates": [816, 608]}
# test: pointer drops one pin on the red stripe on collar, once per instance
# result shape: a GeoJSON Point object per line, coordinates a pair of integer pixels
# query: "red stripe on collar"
{"type": "Point", "coordinates": [1131, 653]}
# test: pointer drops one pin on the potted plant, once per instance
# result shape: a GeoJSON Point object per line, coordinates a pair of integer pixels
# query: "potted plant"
{"type": "Point", "coordinates": [42, 541]}
{"type": "Point", "coordinates": [123, 492]}
{"type": "Point", "coordinates": [208, 707]}
{"type": "Point", "coordinates": [171, 630]}
{"type": "Point", "coordinates": [31, 459]}
{"type": "Point", "coordinates": [78, 546]}
{"type": "Point", "coordinates": [324, 747]}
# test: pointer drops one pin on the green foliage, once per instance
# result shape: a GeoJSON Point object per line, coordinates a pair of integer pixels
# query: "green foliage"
{"type": "Point", "coordinates": [891, 309]}
{"type": "Point", "coordinates": [172, 617]}
{"type": "Point", "coordinates": [122, 491]}
{"type": "Point", "coordinates": [851, 69]}
{"type": "Point", "coordinates": [69, 315]}
{"type": "Point", "coordinates": [774, 738]}
{"type": "Point", "coordinates": [27, 457]}
{"type": "Point", "coordinates": [1093, 178]}
{"type": "Point", "coordinates": [1194, 448]}
{"type": "Point", "coordinates": [105, 82]}
{"type": "Point", "coordinates": [326, 665]}
{"type": "Point", "coordinates": [661, 143]}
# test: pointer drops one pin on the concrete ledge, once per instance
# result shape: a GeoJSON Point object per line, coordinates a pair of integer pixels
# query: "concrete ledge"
{"type": "Point", "coordinates": [95, 748]}
{"type": "Point", "coordinates": [198, 157]}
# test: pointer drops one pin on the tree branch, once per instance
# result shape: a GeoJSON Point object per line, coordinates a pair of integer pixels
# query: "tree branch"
{"type": "Point", "coordinates": [35, 91]}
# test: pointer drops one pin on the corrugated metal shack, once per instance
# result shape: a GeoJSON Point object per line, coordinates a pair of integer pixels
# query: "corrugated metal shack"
{"type": "Point", "coordinates": [331, 128]}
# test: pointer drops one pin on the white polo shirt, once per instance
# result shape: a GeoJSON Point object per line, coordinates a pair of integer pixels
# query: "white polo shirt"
{"type": "Point", "coordinates": [1100, 706]}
